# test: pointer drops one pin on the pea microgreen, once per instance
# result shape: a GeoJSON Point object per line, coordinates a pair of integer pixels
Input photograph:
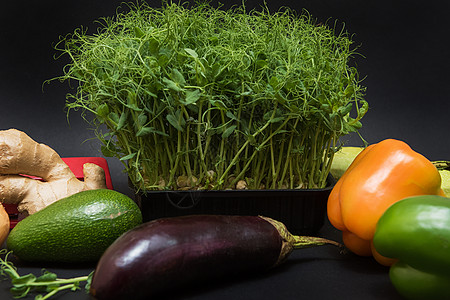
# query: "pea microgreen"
{"type": "Point", "coordinates": [216, 95]}
{"type": "Point", "coordinates": [44, 286]}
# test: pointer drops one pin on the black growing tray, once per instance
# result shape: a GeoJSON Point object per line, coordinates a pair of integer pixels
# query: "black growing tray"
{"type": "Point", "coordinates": [302, 211]}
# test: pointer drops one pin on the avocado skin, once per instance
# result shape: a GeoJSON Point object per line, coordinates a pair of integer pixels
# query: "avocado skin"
{"type": "Point", "coordinates": [75, 229]}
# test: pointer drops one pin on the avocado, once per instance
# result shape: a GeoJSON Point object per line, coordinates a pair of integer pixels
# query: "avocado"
{"type": "Point", "coordinates": [75, 229]}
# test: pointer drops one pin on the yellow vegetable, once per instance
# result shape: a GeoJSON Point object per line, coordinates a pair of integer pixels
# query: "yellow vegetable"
{"type": "Point", "coordinates": [445, 176]}
{"type": "Point", "coordinates": [444, 170]}
{"type": "Point", "coordinates": [342, 160]}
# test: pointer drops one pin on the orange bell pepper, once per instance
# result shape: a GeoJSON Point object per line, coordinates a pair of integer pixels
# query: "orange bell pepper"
{"type": "Point", "coordinates": [380, 175]}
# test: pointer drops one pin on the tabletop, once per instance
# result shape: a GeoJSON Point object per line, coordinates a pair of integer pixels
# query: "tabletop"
{"type": "Point", "coordinates": [323, 272]}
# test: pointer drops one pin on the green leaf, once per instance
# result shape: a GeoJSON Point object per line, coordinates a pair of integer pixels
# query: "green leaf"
{"type": "Point", "coordinates": [148, 130]}
{"type": "Point", "coordinates": [102, 110]}
{"type": "Point", "coordinates": [134, 107]}
{"type": "Point", "coordinates": [276, 120]}
{"type": "Point", "coordinates": [174, 122]}
{"type": "Point", "coordinates": [281, 97]}
{"type": "Point", "coordinates": [153, 46]}
{"type": "Point", "coordinates": [349, 91]}
{"type": "Point", "coordinates": [219, 104]}
{"type": "Point", "coordinates": [227, 132]}
{"type": "Point", "coordinates": [122, 120]}
{"type": "Point", "coordinates": [345, 110]}
{"type": "Point", "coordinates": [274, 82]}
{"type": "Point", "coordinates": [177, 77]}
{"type": "Point", "coordinates": [363, 109]}
{"type": "Point", "coordinates": [75, 287]}
{"type": "Point", "coordinates": [128, 157]}
{"type": "Point", "coordinates": [230, 115]}
{"type": "Point", "coordinates": [357, 125]}
{"type": "Point", "coordinates": [19, 291]}
{"type": "Point", "coordinates": [163, 60]}
{"type": "Point", "coordinates": [143, 131]}
{"type": "Point", "coordinates": [46, 276]}
{"type": "Point", "coordinates": [142, 118]}
{"type": "Point", "coordinates": [261, 63]}
{"type": "Point", "coordinates": [211, 131]}
{"type": "Point", "coordinates": [114, 117]}
{"type": "Point", "coordinates": [352, 125]}
{"type": "Point", "coordinates": [132, 102]}
{"type": "Point", "coordinates": [191, 52]}
{"type": "Point", "coordinates": [23, 280]}
{"type": "Point", "coordinates": [216, 70]}
{"type": "Point", "coordinates": [107, 152]}
{"type": "Point", "coordinates": [246, 93]}
{"type": "Point", "coordinates": [138, 32]}
{"type": "Point", "coordinates": [192, 97]}
{"type": "Point", "coordinates": [89, 281]}
{"type": "Point", "coordinates": [159, 132]}
{"type": "Point", "coordinates": [192, 108]}
{"type": "Point", "coordinates": [131, 98]}
{"type": "Point", "coordinates": [171, 85]}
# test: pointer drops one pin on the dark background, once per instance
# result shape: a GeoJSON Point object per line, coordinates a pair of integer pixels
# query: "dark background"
{"type": "Point", "coordinates": [406, 61]}
{"type": "Point", "coordinates": [405, 65]}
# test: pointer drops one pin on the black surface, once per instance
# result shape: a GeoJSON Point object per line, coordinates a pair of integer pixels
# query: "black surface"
{"type": "Point", "coordinates": [314, 273]}
{"type": "Point", "coordinates": [405, 66]}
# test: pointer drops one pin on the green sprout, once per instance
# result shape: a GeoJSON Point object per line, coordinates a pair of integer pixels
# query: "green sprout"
{"type": "Point", "coordinates": [47, 283]}
{"type": "Point", "coordinates": [197, 97]}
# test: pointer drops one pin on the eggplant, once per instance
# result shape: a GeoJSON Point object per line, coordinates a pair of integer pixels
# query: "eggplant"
{"type": "Point", "coordinates": [167, 254]}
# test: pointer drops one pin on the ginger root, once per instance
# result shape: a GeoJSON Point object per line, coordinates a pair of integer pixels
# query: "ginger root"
{"type": "Point", "coordinates": [4, 225]}
{"type": "Point", "coordinates": [20, 155]}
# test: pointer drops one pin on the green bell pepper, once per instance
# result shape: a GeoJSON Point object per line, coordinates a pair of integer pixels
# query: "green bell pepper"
{"type": "Point", "coordinates": [416, 231]}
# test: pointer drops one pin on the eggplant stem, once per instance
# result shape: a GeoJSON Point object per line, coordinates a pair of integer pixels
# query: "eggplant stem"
{"type": "Point", "coordinates": [300, 242]}
{"type": "Point", "coordinates": [291, 242]}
